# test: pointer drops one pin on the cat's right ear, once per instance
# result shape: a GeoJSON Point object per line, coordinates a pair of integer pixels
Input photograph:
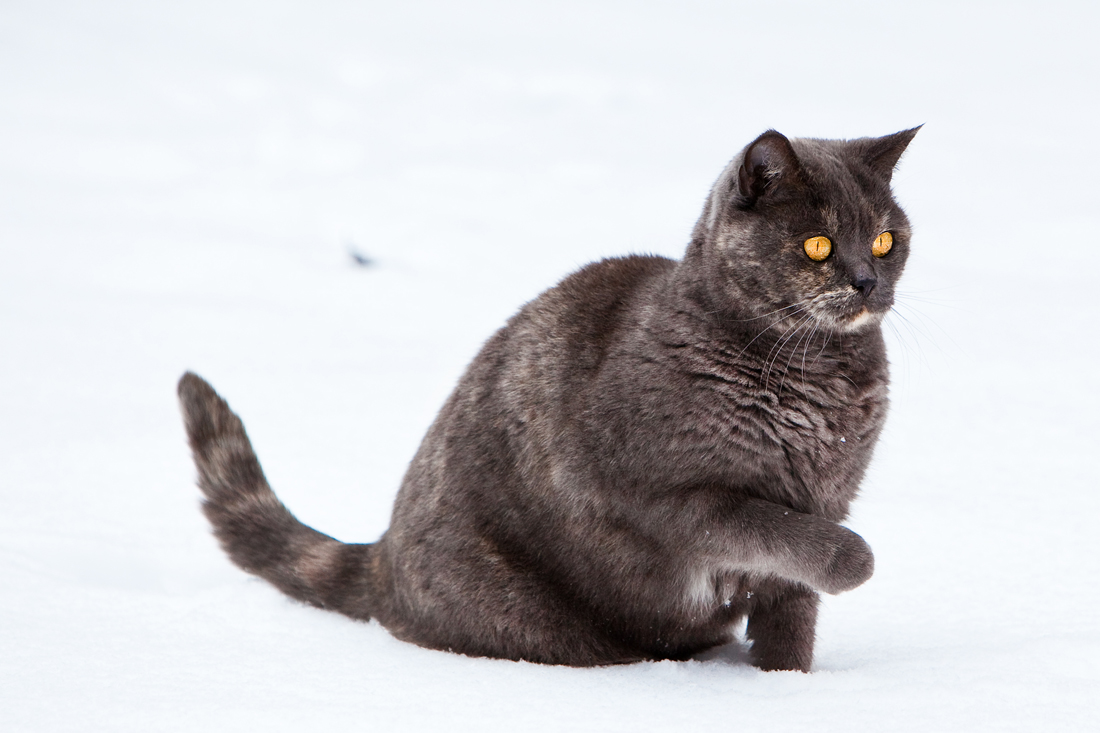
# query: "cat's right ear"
{"type": "Point", "coordinates": [769, 161]}
{"type": "Point", "coordinates": [883, 153]}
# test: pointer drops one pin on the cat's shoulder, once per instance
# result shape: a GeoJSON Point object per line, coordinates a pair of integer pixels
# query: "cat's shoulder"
{"type": "Point", "coordinates": [606, 284]}
{"type": "Point", "coordinates": [583, 314]}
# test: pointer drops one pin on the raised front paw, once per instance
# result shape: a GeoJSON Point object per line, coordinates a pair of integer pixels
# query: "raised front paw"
{"type": "Point", "coordinates": [851, 564]}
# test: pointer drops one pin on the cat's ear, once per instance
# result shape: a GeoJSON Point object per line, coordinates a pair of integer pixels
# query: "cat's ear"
{"type": "Point", "coordinates": [769, 162]}
{"type": "Point", "coordinates": [883, 153]}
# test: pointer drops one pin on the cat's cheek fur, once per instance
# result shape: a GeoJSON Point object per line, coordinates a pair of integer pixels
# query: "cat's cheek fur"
{"type": "Point", "coordinates": [644, 456]}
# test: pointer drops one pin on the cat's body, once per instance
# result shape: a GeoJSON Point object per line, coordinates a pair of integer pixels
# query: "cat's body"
{"type": "Point", "coordinates": [644, 455]}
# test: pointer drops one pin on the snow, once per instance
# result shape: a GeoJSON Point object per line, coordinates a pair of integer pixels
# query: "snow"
{"type": "Point", "coordinates": [180, 186]}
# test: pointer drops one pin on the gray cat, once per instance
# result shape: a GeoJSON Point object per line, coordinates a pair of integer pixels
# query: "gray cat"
{"type": "Point", "coordinates": [645, 455]}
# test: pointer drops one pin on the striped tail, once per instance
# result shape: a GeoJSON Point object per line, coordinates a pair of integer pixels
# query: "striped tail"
{"type": "Point", "coordinates": [255, 529]}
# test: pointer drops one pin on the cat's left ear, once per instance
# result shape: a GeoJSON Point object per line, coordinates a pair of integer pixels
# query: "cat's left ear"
{"type": "Point", "coordinates": [883, 153]}
{"type": "Point", "coordinates": [767, 163]}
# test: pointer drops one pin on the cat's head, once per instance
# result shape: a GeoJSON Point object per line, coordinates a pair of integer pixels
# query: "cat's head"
{"type": "Point", "coordinates": [806, 229]}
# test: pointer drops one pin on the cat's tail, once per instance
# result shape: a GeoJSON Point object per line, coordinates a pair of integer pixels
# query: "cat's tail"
{"type": "Point", "coordinates": [255, 529]}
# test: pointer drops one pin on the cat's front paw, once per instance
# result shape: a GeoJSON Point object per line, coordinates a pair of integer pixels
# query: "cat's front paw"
{"type": "Point", "coordinates": [851, 565]}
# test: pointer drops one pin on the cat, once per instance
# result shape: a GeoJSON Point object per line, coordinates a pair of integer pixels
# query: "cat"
{"type": "Point", "coordinates": [645, 455]}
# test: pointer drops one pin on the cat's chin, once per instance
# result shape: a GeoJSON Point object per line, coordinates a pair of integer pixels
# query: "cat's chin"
{"type": "Point", "coordinates": [860, 321]}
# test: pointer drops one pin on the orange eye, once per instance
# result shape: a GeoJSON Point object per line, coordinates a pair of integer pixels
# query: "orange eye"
{"type": "Point", "coordinates": [882, 245]}
{"type": "Point", "coordinates": [818, 248]}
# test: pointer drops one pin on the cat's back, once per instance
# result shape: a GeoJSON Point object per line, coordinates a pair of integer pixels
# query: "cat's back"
{"type": "Point", "coordinates": [531, 380]}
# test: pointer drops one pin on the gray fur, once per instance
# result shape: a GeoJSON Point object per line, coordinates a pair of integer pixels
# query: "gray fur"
{"type": "Point", "coordinates": [644, 455]}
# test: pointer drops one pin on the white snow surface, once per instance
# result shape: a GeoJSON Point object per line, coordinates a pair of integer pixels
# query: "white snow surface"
{"type": "Point", "coordinates": [180, 185]}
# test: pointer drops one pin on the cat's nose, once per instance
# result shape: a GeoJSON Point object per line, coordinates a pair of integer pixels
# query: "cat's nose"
{"type": "Point", "coordinates": [864, 284]}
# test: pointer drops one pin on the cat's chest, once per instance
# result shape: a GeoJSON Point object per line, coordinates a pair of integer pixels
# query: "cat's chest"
{"type": "Point", "coordinates": [801, 411]}
{"type": "Point", "coordinates": [781, 415]}
{"type": "Point", "coordinates": [806, 431]}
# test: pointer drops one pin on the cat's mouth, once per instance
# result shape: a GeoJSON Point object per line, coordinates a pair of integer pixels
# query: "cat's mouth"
{"type": "Point", "coordinates": [838, 312]}
{"type": "Point", "coordinates": [862, 318]}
